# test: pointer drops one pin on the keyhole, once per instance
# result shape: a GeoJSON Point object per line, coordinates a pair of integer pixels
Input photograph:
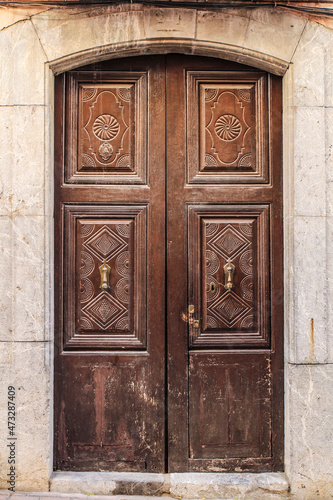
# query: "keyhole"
{"type": "Point", "coordinates": [212, 288]}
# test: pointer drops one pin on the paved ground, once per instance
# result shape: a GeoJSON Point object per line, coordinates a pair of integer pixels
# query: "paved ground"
{"type": "Point", "coordinates": [6, 495]}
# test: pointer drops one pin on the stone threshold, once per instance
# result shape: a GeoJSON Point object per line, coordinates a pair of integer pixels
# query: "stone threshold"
{"type": "Point", "coordinates": [229, 486]}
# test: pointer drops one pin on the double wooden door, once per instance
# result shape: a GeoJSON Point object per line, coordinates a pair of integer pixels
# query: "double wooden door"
{"type": "Point", "coordinates": [168, 250]}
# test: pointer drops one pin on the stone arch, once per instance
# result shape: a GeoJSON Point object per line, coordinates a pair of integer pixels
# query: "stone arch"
{"type": "Point", "coordinates": [162, 46]}
{"type": "Point", "coordinates": [263, 38]}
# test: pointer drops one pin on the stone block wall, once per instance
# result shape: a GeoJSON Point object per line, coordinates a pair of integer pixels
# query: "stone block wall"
{"type": "Point", "coordinates": [36, 43]}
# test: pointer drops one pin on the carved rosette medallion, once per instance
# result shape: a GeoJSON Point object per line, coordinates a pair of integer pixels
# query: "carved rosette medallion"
{"type": "Point", "coordinates": [223, 241]}
{"type": "Point", "coordinates": [106, 128]}
{"type": "Point", "coordinates": [105, 310]}
{"type": "Point", "coordinates": [228, 128]}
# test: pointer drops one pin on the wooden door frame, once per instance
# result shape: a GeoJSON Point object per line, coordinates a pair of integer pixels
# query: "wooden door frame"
{"type": "Point", "coordinates": [119, 55]}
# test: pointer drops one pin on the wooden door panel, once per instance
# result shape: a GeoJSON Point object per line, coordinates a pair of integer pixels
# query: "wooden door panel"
{"type": "Point", "coordinates": [110, 223]}
{"type": "Point", "coordinates": [235, 314]}
{"type": "Point", "coordinates": [101, 396]}
{"type": "Point", "coordinates": [227, 127]}
{"type": "Point", "coordinates": [106, 126]}
{"type": "Point", "coordinates": [224, 182]}
{"type": "Point", "coordinates": [112, 317]}
{"type": "Point", "coordinates": [230, 406]}
{"type": "Point", "coordinates": [168, 194]}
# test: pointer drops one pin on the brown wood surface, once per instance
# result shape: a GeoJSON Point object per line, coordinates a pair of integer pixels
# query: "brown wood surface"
{"type": "Point", "coordinates": [234, 417]}
{"type": "Point", "coordinates": [109, 376]}
{"type": "Point", "coordinates": [172, 165]}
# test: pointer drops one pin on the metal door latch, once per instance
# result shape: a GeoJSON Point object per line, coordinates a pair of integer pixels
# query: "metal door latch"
{"type": "Point", "coordinates": [191, 320]}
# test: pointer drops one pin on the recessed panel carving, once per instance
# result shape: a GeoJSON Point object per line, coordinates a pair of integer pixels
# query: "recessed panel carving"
{"type": "Point", "coordinates": [229, 275]}
{"type": "Point", "coordinates": [105, 305]}
{"type": "Point", "coordinates": [109, 257]}
{"type": "Point", "coordinates": [230, 114]}
{"type": "Point", "coordinates": [226, 137]}
{"type": "Point", "coordinates": [106, 127]}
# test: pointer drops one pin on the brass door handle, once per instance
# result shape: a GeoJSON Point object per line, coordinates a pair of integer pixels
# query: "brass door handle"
{"type": "Point", "coordinates": [229, 270]}
{"type": "Point", "coordinates": [104, 271]}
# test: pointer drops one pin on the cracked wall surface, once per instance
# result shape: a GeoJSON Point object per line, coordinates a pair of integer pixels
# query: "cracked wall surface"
{"type": "Point", "coordinates": [35, 43]}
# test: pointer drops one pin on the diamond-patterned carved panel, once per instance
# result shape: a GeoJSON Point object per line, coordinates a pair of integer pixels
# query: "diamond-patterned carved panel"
{"type": "Point", "coordinates": [229, 242]}
{"type": "Point", "coordinates": [105, 244]}
{"type": "Point", "coordinates": [232, 240]}
{"type": "Point", "coordinates": [106, 128]}
{"type": "Point", "coordinates": [229, 309]}
{"type": "Point", "coordinates": [238, 315]}
{"type": "Point", "coordinates": [101, 309]}
{"type": "Point", "coordinates": [227, 116]}
{"type": "Point", "coordinates": [109, 247]}
{"type": "Point", "coordinates": [104, 310]}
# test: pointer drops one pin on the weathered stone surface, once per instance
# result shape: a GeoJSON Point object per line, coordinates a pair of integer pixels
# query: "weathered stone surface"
{"type": "Point", "coordinates": [22, 267]}
{"type": "Point", "coordinates": [288, 213]}
{"type": "Point", "coordinates": [111, 25]}
{"type": "Point", "coordinates": [22, 160]}
{"type": "Point", "coordinates": [310, 91]}
{"type": "Point", "coordinates": [169, 23]}
{"type": "Point", "coordinates": [74, 496]}
{"type": "Point", "coordinates": [329, 158]}
{"type": "Point", "coordinates": [4, 494]}
{"type": "Point", "coordinates": [280, 19]}
{"type": "Point", "coordinates": [21, 65]}
{"type": "Point", "coordinates": [310, 290]}
{"type": "Point", "coordinates": [329, 280]}
{"type": "Point", "coordinates": [5, 285]}
{"type": "Point", "coordinates": [245, 486]}
{"type": "Point", "coordinates": [6, 355]}
{"type": "Point", "coordinates": [28, 278]}
{"type": "Point", "coordinates": [310, 180]}
{"type": "Point", "coordinates": [107, 483]}
{"type": "Point", "coordinates": [29, 373]}
{"type": "Point", "coordinates": [329, 75]}
{"type": "Point", "coordinates": [310, 431]}
{"type": "Point", "coordinates": [184, 485]}
{"type": "Point", "coordinates": [272, 40]}
{"type": "Point", "coordinates": [66, 31]}
{"type": "Point", "coordinates": [221, 27]}
{"type": "Point", "coordinates": [13, 14]}
{"type": "Point", "coordinates": [258, 36]}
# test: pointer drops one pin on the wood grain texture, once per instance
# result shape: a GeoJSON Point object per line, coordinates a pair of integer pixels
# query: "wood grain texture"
{"type": "Point", "coordinates": [116, 317]}
{"type": "Point", "coordinates": [224, 380]}
{"type": "Point", "coordinates": [230, 406]}
{"type": "Point", "coordinates": [110, 345]}
{"type": "Point", "coordinates": [138, 387]}
{"type": "Point", "coordinates": [219, 233]}
{"type": "Point", "coordinates": [106, 127]}
{"type": "Point", "coordinates": [227, 127]}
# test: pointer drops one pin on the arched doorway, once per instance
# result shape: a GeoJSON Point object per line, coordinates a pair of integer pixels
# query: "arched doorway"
{"type": "Point", "coordinates": [169, 311]}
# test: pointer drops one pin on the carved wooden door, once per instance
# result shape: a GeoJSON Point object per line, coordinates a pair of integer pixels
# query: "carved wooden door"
{"type": "Point", "coordinates": [168, 267]}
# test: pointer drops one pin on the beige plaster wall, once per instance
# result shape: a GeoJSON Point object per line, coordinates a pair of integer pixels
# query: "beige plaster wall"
{"type": "Point", "coordinates": [35, 44]}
